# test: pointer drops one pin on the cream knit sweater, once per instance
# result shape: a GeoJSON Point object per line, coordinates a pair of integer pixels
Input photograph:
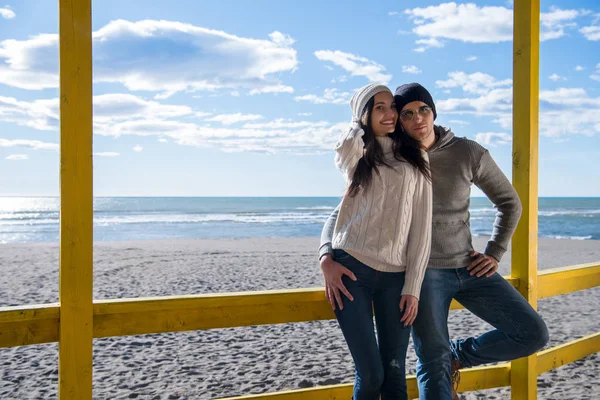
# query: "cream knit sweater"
{"type": "Point", "coordinates": [387, 226]}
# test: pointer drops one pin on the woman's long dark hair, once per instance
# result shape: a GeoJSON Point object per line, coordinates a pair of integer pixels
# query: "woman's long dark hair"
{"type": "Point", "coordinates": [403, 146]}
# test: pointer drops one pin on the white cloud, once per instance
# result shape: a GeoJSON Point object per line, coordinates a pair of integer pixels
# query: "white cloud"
{"type": "Point", "coordinates": [340, 79]}
{"type": "Point", "coordinates": [591, 32]}
{"type": "Point", "coordinates": [393, 13]}
{"type": "Point", "coordinates": [355, 65]}
{"type": "Point", "coordinates": [163, 140]}
{"type": "Point", "coordinates": [330, 96]}
{"type": "Point", "coordinates": [495, 102]}
{"type": "Point", "coordinates": [230, 119]}
{"type": "Point", "coordinates": [596, 75]}
{"type": "Point", "coordinates": [306, 114]}
{"type": "Point", "coordinates": [553, 24]}
{"type": "Point", "coordinates": [425, 44]}
{"type": "Point", "coordinates": [556, 77]}
{"type": "Point", "coordinates": [119, 106]}
{"type": "Point", "coordinates": [459, 122]}
{"type": "Point", "coordinates": [472, 58]}
{"type": "Point", "coordinates": [108, 109]}
{"type": "Point", "coordinates": [272, 89]}
{"type": "Point", "coordinates": [181, 126]}
{"type": "Point", "coordinates": [159, 56]}
{"type": "Point", "coordinates": [477, 82]}
{"type": "Point", "coordinates": [7, 13]}
{"type": "Point", "coordinates": [285, 124]}
{"type": "Point", "coordinates": [106, 154]}
{"type": "Point", "coordinates": [493, 139]}
{"type": "Point", "coordinates": [17, 157]}
{"type": "Point", "coordinates": [464, 22]}
{"type": "Point", "coordinates": [482, 24]}
{"type": "Point", "coordinates": [569, 111]}
{"type": "Point", "coordinates": [563, 112]}
{"type": "Point", "coordinates": [579, 68]}
{"type": "Point", "coordinates": [31, 144]}
{"type": "Point", "coordinates": [411, 69]}
{"type": "Point", "coordinates": [137, 148]}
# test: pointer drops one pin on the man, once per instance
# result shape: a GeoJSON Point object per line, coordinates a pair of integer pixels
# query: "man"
{"type": "Point", "coordinates": [455, 269]}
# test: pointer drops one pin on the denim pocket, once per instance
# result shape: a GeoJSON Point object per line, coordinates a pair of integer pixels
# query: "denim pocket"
{"type": "Point", "coordinates": [340, 255]}
{"type": "Point", "coordinates": [451, 239]}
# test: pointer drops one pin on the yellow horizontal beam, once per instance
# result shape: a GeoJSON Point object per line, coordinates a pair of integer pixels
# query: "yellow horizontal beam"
{"type": "Point", "coordinates": [557, 281]}
{"type": "Point", "coordinates": [39, 324]}
{"type": "Point", "coordinates": [331, 392]}
{"type": "Point", "coordinates": [210, 311]}
{"type": "Point", "coordinates": [36, 324]}
{"type": "Point", "coordinates": [24, 325]}
{"type": "Point", "coordinates": [470, 380]}
{"type": "Point", "coordinates": [567, 353]}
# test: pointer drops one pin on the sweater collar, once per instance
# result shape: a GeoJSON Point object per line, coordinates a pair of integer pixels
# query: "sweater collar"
{"type": "Point", "coordinates": [386, 143]}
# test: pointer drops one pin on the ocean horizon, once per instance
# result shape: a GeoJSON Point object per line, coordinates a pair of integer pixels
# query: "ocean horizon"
{"type": "Point", "coordinates": [119, 218]}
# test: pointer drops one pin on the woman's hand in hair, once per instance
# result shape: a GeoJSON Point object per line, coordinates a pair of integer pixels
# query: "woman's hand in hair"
{"type": "Point", "coordinates": [409, 305]}
{"type": "Point", "coordinates": [333, 272]}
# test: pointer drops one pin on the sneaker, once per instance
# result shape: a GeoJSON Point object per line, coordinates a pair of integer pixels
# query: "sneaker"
{"type": "Point", "coordinates": [455, 366]}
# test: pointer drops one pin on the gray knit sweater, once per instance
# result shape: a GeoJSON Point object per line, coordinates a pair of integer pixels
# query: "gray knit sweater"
{"type": "Point", "coordinates": [456, 164]}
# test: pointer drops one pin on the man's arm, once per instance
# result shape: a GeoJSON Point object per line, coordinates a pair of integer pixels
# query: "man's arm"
{"type": "Point", "coordinates": [496, 186]}
{"type": "Point", "coordinates": [326, 246]}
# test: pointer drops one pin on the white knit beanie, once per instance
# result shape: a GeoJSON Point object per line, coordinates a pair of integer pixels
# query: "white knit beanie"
{"type": "Point", "coordinates": [361, 97]}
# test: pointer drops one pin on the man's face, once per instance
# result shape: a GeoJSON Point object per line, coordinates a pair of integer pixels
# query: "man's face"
{"type": "Point", "coordinates": [417, 120]}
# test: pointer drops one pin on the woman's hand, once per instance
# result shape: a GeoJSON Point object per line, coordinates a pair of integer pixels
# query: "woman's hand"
{"type": "Point", "coordinates": [409, 305]}
{"type": "Point", "coordinates": [333, 272]}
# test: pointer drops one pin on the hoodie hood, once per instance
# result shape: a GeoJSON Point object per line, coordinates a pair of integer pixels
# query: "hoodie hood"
{"type": "Point", "coordinates": [444, 138]}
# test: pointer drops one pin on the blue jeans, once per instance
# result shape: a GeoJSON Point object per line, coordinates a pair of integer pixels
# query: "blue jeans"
{"type": "Point", "coordinates": [380, 370]}
{"type": "Point", "coordinates": [520, 331]}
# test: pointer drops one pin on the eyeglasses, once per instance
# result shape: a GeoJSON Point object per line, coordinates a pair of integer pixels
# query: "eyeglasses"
{"type": "Point", "coordinates": [408, 115]}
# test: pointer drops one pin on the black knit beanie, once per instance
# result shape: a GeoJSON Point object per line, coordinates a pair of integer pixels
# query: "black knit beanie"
{"type": "Point", "coordinates": [413, 92]}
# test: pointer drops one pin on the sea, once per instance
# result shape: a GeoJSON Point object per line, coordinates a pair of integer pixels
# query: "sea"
{"type": "Point", "coordinates": [36, 219]}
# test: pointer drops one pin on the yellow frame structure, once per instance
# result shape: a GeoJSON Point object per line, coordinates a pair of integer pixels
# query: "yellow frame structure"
{"type": "Point", "coordinates": [77, 318]}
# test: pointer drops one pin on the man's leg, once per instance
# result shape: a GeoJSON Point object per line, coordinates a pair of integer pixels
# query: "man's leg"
{"type": "Point", "coordinates": [356, 322]}
{"type": "Point", "coordinates": [393, 336]}
{"type": "Point", "coordinates": [430, 334]}
{"type": "Point", "coordinates": [520, 331]}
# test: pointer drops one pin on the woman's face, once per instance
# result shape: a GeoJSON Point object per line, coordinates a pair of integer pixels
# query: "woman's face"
{"type": "Point", "coordinates": [384, 116]}
{"type": "Point", "coordinates": [417, 120]}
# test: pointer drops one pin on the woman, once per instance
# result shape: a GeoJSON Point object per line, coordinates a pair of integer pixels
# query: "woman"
{"type": "Point", "coordinates": [382, 238]}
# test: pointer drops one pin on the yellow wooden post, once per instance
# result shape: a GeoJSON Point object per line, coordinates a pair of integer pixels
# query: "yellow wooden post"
{"type": "Point", "coordinates": [76, 208]}
{"type": "Point", "coordinates": [525, 173]}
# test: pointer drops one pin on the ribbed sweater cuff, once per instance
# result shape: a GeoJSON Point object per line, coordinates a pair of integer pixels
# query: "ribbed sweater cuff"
{"type": "Point", "coordinates": [412, 287]}
{"type": "Point", "coordinates": [326, 248]}
{"type": "Point", "coordinates": [493, 250]}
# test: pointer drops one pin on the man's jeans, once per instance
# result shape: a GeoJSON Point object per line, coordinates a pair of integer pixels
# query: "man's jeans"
{"type": "Point", "coordinates": [380, 370]}
{"type": "Point", "coordinates": [519, 332]}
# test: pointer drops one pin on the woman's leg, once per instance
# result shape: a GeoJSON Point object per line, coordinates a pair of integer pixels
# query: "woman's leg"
{"type": "Point", "coordinates": [393, 336]}
{"type": "Point", "coordinates": [356, 322]}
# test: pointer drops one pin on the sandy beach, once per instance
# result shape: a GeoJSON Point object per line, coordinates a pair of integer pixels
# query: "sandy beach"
{"type": "Point", "coordinates": [229, 362]}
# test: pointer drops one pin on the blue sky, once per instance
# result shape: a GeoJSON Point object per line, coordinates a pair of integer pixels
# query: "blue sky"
{"type": "Point", "coordinates": [239, 98]}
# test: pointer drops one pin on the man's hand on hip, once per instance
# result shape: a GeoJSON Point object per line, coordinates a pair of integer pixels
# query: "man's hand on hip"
{"type": "Point", "coordinates": [482, 265]}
